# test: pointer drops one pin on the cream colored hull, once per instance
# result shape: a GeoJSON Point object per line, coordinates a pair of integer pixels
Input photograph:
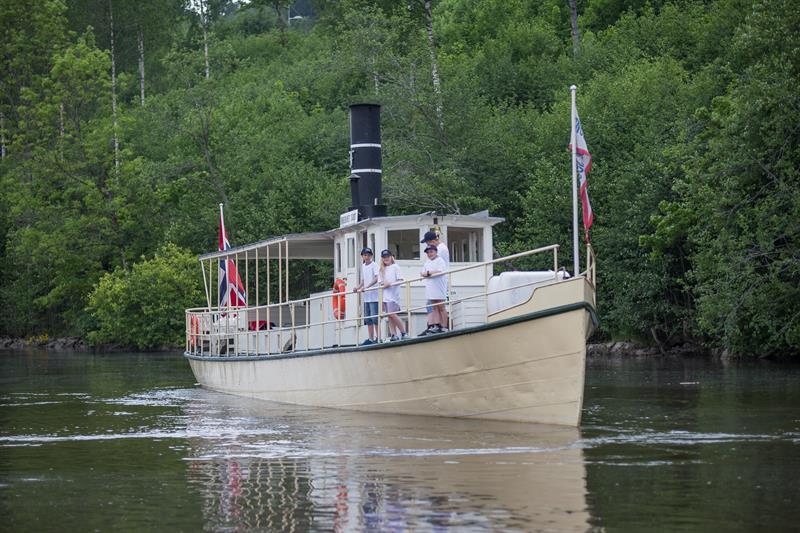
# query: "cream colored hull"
{"type": "Point", "coordinates": [524, 368]}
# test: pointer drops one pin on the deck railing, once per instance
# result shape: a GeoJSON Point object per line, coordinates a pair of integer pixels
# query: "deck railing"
{"type": "Point", "coordinates": [238, 331]}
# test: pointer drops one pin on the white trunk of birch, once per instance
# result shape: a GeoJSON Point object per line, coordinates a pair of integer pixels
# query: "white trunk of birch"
{"type": "Point", "coordinates": [113, 85]}
{"type": "Point", "coordinates": [2, 135]}
{"type": "Point", "coordinates": [204, 20]}
{"type": "Point", "coordinates": [437, 89]}
{"type": "Point", "coordinates": [573, 17]}
{"type": "Point", "coordinates": [141, 66]}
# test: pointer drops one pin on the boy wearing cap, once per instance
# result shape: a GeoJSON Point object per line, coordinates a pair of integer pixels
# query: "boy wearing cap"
{"type": "Point", "coordinates": [432, 239]}
{"type": "Point", "coordinates": [369, 278]}
{"type": "Point", "coordinates": [435, 290]}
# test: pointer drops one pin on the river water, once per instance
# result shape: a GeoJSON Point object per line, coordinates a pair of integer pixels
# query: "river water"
{"type": "Point", "coordinates": [127, 442]}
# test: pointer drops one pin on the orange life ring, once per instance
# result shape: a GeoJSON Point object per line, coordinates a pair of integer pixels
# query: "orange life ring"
{"type": "Point", "coordinates": [339, 291]}
{"type": "Point", "coordinates": [194, 329]}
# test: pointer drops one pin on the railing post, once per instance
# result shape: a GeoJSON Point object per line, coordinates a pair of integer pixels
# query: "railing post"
{"type": "Point", "coordinates": [379, 326]}
{"type": "Point", "coordinates": [292, 336]}
{"type": "Point", "coordinates": [407, 286]}
{"type": "Point", "coordinates": [324, 320]}
{"type": "Point", "coordinates": [449, 304]}
{"type": "Point", "coordinates": [269, 325]}
{"type": "Point", "coordinates": [555, 262]}
{"type": "Point", "coordinates": [359, 309]}
{"type": "Point", "coordinates": [486, 291]}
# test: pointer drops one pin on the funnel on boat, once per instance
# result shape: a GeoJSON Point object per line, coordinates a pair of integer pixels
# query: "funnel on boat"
{"type": "Point", "coordinates": [365, 160]}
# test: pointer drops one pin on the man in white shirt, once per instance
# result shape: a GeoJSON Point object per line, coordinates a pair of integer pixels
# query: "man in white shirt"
{"type": "Point", "coordinates": [369, 286]}
{"type": "Point", "coordinates": [435, 291]}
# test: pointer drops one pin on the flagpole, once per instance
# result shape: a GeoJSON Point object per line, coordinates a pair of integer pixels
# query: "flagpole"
{"type": "Point", "coordinates": [222, 237]}
{"type": "Point", "coordinates": [573, 142]}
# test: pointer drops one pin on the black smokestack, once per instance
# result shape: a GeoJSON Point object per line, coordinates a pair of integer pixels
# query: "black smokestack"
{"type": "Point", "coordinates": [365, 159]}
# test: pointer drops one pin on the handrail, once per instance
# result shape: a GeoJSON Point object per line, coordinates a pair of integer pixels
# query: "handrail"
{"type": "Point", "coordinates": [208, 317]}
{"type": "Point", "coordinates": [412, 280]}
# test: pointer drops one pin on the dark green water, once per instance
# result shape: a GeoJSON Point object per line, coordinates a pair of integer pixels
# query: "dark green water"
{"type": "Point", "coordinates": [126, 442]}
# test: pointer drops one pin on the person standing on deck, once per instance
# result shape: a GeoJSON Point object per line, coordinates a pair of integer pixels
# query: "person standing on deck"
{"type": "Point", "coordinates": [435, 290]}
{"type": "Point", "coordinates": [369, 278]}
{"type": "Point", "coordinates": [389, 276]}
{"type": "Point", "coordinates": [432, 239]}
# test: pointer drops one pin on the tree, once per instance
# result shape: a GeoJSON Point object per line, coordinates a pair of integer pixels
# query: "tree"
{"type": "Point", "coordinates": [143, 307]}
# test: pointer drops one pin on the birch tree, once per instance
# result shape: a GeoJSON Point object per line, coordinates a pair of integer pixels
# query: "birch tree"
{"type": "Point", "coordinates": [573, 18]}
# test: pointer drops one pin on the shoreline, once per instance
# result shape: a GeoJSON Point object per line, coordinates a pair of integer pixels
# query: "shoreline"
{"type": "Point", "coordinates": [593, 350]}
{"type": "Point", "coordinates": [70, 344]}
{"type": "Point", "coordinates": [632, 349]}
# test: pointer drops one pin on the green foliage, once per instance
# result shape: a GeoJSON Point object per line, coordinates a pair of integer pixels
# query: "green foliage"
{"type": "Point", "coordinates": [744, 190]}
{"type": "Point", "coordinates": [689, 107]}
{"type": "Point", "coordinates": [143, 307]}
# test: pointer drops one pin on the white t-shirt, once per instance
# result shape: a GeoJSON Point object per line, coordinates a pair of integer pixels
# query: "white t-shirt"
{"type": "Point", "coordinates": [443, 252]}
{"type": "Point", "coordinates": [368, 273]}
{"type": "Point", "coordinates": [436, 286]}
{"type": "Point", "coordinates": [391, 274]}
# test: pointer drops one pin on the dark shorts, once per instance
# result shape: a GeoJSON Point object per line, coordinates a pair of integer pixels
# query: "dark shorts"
{"type": "Point", "coordinates": [370, 313]}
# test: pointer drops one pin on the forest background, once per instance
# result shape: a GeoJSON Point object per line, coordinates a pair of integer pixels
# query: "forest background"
{"type": "Point", "coordinates": [123, 124]}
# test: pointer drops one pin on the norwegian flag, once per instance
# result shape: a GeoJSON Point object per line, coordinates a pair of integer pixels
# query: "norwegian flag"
{"type": "Point", "coordinates": [231, 290]}
{"type": "Point", "coordinates": [583, 160]}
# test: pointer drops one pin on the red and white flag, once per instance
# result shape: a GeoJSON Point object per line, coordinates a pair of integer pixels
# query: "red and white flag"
{"type": "Point", "coordinates": [231, 288]}
{"type": "Point", "coordinates": [583, 161]}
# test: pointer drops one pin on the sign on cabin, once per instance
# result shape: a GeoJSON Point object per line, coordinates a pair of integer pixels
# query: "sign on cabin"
{"type": "Point", "coordinates": [348, 219]}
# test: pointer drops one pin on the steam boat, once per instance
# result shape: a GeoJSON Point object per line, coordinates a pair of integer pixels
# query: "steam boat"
{"type": "Point", "coordinates": [514, 348]}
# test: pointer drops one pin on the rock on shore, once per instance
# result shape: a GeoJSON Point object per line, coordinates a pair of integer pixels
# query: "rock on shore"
{"type": "Point", "coordinates": [60, 344]}
{"type": "Point", "coordinates": [631, 349]}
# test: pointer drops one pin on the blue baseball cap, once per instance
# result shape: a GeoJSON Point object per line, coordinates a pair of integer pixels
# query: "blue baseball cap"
{"type": "Point", "coordinates": [366, 251]}
{"type": "Point", "coordinates": [429, 236]}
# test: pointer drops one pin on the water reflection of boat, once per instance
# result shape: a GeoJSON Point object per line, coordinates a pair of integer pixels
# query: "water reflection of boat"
{"type": "Point", "coordinates": [515, 345]}
{"type": "Point", "coordinates": [283, 468]}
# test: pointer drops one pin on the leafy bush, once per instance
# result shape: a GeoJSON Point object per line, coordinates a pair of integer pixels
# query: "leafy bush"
{"type": "Point", "coordinates": [144, 307]}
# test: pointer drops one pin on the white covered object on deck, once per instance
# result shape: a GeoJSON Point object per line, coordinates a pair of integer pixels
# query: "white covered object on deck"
{"type": "Point", "coordinates": [510, 289]}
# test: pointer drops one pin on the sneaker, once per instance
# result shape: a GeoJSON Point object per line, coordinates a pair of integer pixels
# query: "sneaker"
{"type": "Point", "coordinates": [368, 342]}
{"type": "Point", "coordinates": [437, 329]}
{"type": "Point", "coordinates": [394, 338]}
{"type": "Point", "coordinates": [427, 331]}
{"type": "Point", "coordinates": [403, 336]}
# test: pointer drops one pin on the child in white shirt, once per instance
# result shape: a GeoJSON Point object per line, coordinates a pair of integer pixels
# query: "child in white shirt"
{"type": "Point", "coordinates": [388, 276]}
{"type": "Point", "coordinates": [435, 290]}
{"type": "Point", "coordinates": [368, 285]}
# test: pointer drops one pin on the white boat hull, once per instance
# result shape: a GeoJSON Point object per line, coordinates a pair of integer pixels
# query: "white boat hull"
{"type": "Point", "coordinates": [524, 368]}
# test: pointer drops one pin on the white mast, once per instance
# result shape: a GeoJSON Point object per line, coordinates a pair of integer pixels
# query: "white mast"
{"type": "Point", "coordinates": [574, 144]}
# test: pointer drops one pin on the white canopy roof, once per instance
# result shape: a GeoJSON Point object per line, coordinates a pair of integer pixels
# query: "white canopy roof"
{"type": "Point", "coordinates": [319, 245]}
{"type": "Point", "coordinates": [300, 245]}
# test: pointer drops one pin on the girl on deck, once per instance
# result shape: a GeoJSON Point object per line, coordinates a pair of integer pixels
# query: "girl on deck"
{"type": "Point", "coordinates": [388, 276]}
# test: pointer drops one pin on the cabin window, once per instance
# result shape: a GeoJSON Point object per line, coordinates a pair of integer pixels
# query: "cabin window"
{"type": "Point", "coordinates": [372, 245]}
{"type": "Point", "coordinates": [465, 244]}
{"type": "Point", "coordinates": [404, 243]}
{"type": "Point", "coordinates": [351, 252]}
{"type": "Point", "coordinates": [338, 257]}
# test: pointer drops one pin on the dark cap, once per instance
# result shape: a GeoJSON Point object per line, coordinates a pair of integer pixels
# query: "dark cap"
{"type": "Point", "coordinates": [386, 253]}
{"type": "Point", "coordinates": [366, 251]}
{"type": "Point", "coordinates": [429, 236]}
{"type": "Point", "coordinates": [431, 247]}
